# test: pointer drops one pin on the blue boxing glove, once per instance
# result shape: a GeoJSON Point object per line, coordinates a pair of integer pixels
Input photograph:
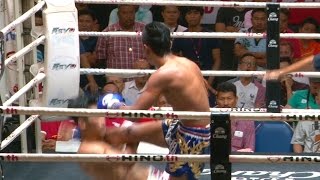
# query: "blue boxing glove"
{"type": "Point", "coordinates": [110, 101]}
{"type": "Point", "coordinates": [316, 62]}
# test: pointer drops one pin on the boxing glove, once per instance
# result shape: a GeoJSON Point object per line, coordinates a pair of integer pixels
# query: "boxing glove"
{"type": "Point", "coordinates": [316, 62]}
{"type": "Point", "coordinates": [110, 101]}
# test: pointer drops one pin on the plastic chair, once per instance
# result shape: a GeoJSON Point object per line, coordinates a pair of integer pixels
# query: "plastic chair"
{"type": "Point", "coordinates": [274, 137]}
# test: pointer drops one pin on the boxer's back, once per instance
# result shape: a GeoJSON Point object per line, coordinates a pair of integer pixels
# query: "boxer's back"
{"type": "Point", "coordinates": [185, 89]}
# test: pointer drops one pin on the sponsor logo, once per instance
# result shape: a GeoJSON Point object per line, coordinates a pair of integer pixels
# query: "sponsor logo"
{"type": "Point", "coordinates": [57, 30]}
{"type": "Point", "coordinates": [60, 66]}
{"type": "Point", "coordinates": [219, 133]}
{"type": "Point", "coordinates": [310, 117]}
{"type": "Point", "coordinates": [149, 158]}
{"type": "Point", "coordinates": [274, 159]}
{"type": "Point", "coordinates": [273, 43]}
{"type": "Point", "coordinates": [273, 17]}
{"type": "Point", "coordinates": [219, 169]}
{"type": "Point", "coordinates": [59, 102]}
{"type": "Point", "coordinates": [273, 104]}
{"type": "Point", "coordinates": [8, 111]}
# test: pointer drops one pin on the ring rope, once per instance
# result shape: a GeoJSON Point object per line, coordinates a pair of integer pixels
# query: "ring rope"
{"type": "Point", "coordinates": [243, 110]}
{"type": "Point", "coordinates": [21, 18]}
{"type": "Point", "coordinates": [147, 158]}
{"type": "Point", "coordinates": [185, 115]}
{"type": "Point", "coordinates": [25, 50]}
{"type": "Point", "coordinates": [202, 3]}
{"type": "Point", "coordinates": [126, 73]}
{"type": "Point", "coordinates": [203, 34]}
{"type": "Point", "coordinates": [18, 131]}
{"type": "Point", "coordinates": [38, 78]}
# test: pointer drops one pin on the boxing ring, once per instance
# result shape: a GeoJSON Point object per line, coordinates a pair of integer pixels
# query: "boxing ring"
{"type": "Point", "coordinates": [220, 163]}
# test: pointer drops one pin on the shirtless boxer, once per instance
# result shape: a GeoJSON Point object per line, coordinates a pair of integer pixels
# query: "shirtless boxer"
{"type": "Point", "coordinates": [93, 130]}
{"type": "Point", "coordinates": [310, 63]}
{"type": "Point", "coordinates": [181, 82]}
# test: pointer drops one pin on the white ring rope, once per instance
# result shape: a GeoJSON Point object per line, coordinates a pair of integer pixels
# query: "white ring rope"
{"type": "Point", "coordinates": [243, 110]}
{"type": "Point", "coordinates": [203, 34]}
{"type": "Point", "coordinates": [25, 50]}
{"type": "Point", "coordinates": [128, 73]}
{"type": "Point", "coordinates": [38, 78]}
{"type": "Point", "coordinates": [18, 131]}
{"type": "Point", "coordinates": [185, 115]}
{"type": "Point", "coordinates": [22, 18]}
{"type": "Point", "coordinates": [202, 3]}
{"type": "Point", "coordinates": [147, 158]}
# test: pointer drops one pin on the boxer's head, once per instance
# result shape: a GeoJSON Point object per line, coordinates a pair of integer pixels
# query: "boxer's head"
{"type": "Point", "coordinates": [90, 127]}
{"type": "Point", "coordinates": [156, 41]}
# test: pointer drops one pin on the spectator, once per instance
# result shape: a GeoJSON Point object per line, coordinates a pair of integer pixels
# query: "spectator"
{"type": "Point", "coordinates": [170, 15]}
{"type": "Point", "coordinates": [121, 52]}
{"type": "Point", "coordinates": [288, 84]}
{"type": "Point", "coordinates": [110, 87]}
{"type": "Point", "coordinates": [287, 52]}
{"type": "Point", "coordinates": [284, 15]}
{"type": "Point", "coordinates": [248, 15]}
{"type": "Point", "coordinates": [117, 81]}
{"type": "Point", "coordinates": [87, 22]}
{"type": "Point", "coordinates": [305, 99]}
{"type": "Point", "coordinates": [54, 131]}
{"type": "Point", "coordinates": [242, 132]}
{"type": "Point", "coordinates": [250, 91]}
{"type": "Point", "coordinates": [142, 15]}
{"type": "Point", "coordinates": [203, 51]}
{"type": "Point", "coordinates": [133, 89]}
{"type": "Point", "coordinates": [229, 20]}
{"type": "Point", "coordinates": [256, 46]}
{"type": "Point", "coordinates": [309, 46]}
{"type": "Point", "coordinates": [89, 84]}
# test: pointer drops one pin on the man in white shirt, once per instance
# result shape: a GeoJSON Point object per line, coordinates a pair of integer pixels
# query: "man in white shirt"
{"type": "Point", "coordinates": [133, 89]}
{"type": "Point", "coordinates": [250, 92]}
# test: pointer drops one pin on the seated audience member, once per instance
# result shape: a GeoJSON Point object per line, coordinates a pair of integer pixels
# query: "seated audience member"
{"type": "Point", "coordinates": [87, 22]}
{"type": "Point", "coordinates": [121, 52]}
{"type": "Point", "coordinates": [133, 89]}
{"type": "Point", "coordinates": [242, 132]}
{"type": "Point", "coordinates": [256, 46]}
{"type": "Point", "coordinates": [306, 137]}
{"type": "Point", "coordinates": [170, 15]}
{"type": "Point", "coordinates": [93, 131]}
{"type": "Point", "coordinates": [309, 46]}
{"type": "Point", "coordinates": [288, 83]}
{"type": "Point", "coordinates": [205, 52]}
{"type": "Point", "coordinates": [116, 80]}
{"type": "Point", "coordinates": [294, 43]}
{"type": "Point", "coordinates": [250, 91]}
{"type": "Point", "coordinates": [53, 131]}
{"type": "Point", "coordinates": [143, 15]}
{"type": "Point", "coordinates": [305, 99]}
{"type": "Point", "coordinates": [110, 87]}
{"type": "Point", "coordinates": [287, 52]}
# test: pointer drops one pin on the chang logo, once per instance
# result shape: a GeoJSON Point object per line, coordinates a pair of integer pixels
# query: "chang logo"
{"type": "Point", "coordinates": [219, 133]}
{"type": "Point", "coordinates": [273, 43]}
{"type": "Point", "coordinates": [273, 17]}
{"type": "Point", "coordinates": [273, 104]}
{"type": "Point", "coordinates": [219, 169]}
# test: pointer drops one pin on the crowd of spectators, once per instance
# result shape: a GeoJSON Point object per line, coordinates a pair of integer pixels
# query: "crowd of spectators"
{"type": "Point", "coordinates": [244, 54]}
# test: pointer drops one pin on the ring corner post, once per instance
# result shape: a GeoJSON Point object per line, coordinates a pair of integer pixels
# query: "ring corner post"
{"type": "Point", "coordinates": [220, 146]}
{"type": "Point", "coordinates": [273, 56]}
